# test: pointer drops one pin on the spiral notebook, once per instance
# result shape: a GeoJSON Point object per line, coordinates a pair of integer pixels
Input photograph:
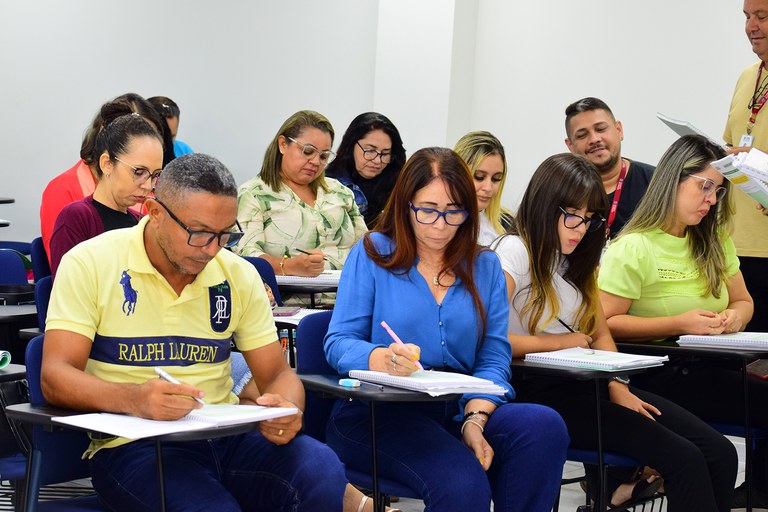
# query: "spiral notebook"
{"type": "Point", "coordinates": [432, 382]}
{"type": "Point", "coordinates": [753, 340]}
{"type": "Point", "coordinates": [578, 357]}
{"type": "Point", "coordinates": [211, 415]}
{"type": "Point", "coordinates": [326, 278]}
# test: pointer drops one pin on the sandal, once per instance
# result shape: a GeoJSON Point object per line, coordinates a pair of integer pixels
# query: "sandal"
{"type": "Point", "coordinates": [365, 500]}
{"type": "Point", "coordinates": [641, 490]}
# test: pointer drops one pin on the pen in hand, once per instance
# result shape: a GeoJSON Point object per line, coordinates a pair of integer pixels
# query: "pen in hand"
{"type": "Point", "coordinates": [302, 251]}
{"type": "Point", "coordinates": [168, 378]}
{"type": "Point", "coordinates": [398, 341]}
{"type": "Point", "coordinates": [589, 343]}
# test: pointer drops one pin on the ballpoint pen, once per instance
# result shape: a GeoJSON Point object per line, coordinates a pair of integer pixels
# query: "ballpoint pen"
{"type": "Point", "coordinates": [168, 378]}
{"type": "Point", "coordinates": [398, 341]}
{"type": "Point", "coordinates": [302, 251]}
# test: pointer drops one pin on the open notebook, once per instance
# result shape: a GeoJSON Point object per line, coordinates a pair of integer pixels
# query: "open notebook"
{"type": "Point", "coordinates": [753, 340]}
{"type": "Point", "coordinates": [212, 415]}
{"type": "Point", "coordinates": [326, 278]}
{"type": "Point", "coordinates": [432, 382]}
{"type": "Point", "coordinates": [578, 357]}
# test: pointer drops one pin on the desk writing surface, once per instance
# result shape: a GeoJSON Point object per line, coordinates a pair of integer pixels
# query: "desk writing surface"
{"type": "Point", "coordinates": [15, 313]}
{"type": "Point", "coordinates": [330, 384]}
{"type": "Point", "coordinates": [671, 348]}
{"type": "Point", "coordinates": [13, 372]}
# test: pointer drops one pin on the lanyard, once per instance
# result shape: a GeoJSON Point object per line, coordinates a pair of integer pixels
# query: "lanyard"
{"type": "Point", "coordinates": [616, 197]}
{"type": "Point", "coordinates": [756, 106]}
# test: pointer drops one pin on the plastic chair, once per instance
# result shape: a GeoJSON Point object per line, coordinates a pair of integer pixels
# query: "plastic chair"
{"type": "Point", "coordinates": [12, 269]}
{"type": "Point", "coordinates": [55, 456]}
{"type": "Point", "coordinates": [42, 298]}
{"type": "Point", "coordinates": [310, 359]}
{"type": "Point", "coordinates": [40, 266]}
{"type": "Point", "coordinates": [20, 247]}
{"type": "Point", "coordinates": [267, 273]}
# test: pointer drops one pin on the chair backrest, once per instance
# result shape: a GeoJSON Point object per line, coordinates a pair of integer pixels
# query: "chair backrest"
{"type": "Point", "coordinates": [12, 269]}
{"type": "Point", "coordinates": [310, 358]}
{"type": "Point", "coordinates": [42, 298]}
{"type": "Point", "coordinates": [56, 456]}
{"type": "Point", "coordinates": [40, 265]}
{"type": "Point", "coordinates": [267, 273]}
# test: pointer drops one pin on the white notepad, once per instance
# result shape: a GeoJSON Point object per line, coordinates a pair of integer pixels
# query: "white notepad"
{"type": "Point", "coordinates": [211, 415]}
{"type": "Point", "coordinates": [746, 171]}
{"type": "Point", "coordinates": [758, 340]}
{"type": "Point", "coordinates": [432, 382]}
{"type": "Point", "coordinates": [683, 128]}
{"type": "Point", "coordinates": [578, 357]}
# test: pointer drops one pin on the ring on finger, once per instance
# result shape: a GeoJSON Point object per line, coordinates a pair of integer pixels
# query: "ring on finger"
{"type": "Point", "coordinates": [394, 362]}
{"type": "Point", "coordinates": [280, 432]}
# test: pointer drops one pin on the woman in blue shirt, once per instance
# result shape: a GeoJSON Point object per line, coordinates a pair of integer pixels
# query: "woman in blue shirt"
{"type": "Point", "coordinates": [422, 272]}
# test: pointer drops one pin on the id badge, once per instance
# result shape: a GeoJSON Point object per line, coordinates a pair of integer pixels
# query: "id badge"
{"type": "Point", "coordinates": [746, 141]}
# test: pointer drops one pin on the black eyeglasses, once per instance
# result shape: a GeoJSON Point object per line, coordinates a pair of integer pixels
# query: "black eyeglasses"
{"type": "Point", "coordinates": [371, 154]}
{"type": "Point", "coordinates": [309, 151]}
{"type": "Point", "coordinates": [142, 174]}
{"type": "Point", "coordinates": [572, 221]}
{"type": "Point", "coordinates": [430, 215]}
{"type": "Point", "coordinates": [203, 238]}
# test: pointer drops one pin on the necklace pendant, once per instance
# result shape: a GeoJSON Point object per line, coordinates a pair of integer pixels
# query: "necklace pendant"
{"type": "Point", "coordinates": [435, 281]}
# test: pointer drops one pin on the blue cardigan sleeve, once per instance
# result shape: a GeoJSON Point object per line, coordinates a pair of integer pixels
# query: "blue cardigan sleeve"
{"type": "Point", "coordinates": [348, 341]}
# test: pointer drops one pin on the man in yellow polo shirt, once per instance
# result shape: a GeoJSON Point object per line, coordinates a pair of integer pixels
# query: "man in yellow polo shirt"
{"type": "Point", "coordinates": [164, 294]}
{"type": "Point", "coordinates": [747, 127]}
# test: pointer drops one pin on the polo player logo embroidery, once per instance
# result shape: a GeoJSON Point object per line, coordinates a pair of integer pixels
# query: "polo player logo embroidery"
{"type": "Point", "coordinates": [130, 295]}
{"type": "Point", "coordinates": [220, 299]}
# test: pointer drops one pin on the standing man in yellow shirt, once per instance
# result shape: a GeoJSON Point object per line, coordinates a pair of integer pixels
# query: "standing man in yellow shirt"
{"type": "Point", "coordinates": [747, 127]}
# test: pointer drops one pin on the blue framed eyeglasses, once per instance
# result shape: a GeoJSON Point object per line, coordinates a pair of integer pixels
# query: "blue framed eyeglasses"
{"type": "Point", "coordinates": [430, 215]}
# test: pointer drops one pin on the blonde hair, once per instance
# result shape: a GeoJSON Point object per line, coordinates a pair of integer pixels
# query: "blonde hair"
{"type": "Point", "coordinates": [475, 147]}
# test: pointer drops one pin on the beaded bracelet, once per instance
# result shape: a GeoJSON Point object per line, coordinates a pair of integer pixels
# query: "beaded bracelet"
{"type": "Point", "coordinates": [282, 262]}
{"type": "Point", "coordinates": [474, 423]}
{"type": "Point", "coordinates": [473, 413]}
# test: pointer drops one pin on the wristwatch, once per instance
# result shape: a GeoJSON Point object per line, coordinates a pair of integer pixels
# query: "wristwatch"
{"type": "Point", "coordinates": [624, 379]}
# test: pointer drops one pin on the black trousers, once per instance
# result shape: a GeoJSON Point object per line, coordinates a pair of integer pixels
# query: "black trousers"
{"type": "Point", "coordinates": [699, 465]}
{"type": "Point", "coordinates": [755, 272]}
{"type": "Point", "coordinates": [712, 390]}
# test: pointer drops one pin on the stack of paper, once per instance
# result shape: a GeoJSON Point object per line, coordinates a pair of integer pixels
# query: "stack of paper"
{"type": "Point", "coordinates": [432, 382]}
{"type": "Point", "coordinates": [748, 171]}
{"type": "Point", "coordinates": [211, 415]}
{"type": "Point", "coordinates": [578, 357]}
{"type": "Point", "coordinates": [753, 340]}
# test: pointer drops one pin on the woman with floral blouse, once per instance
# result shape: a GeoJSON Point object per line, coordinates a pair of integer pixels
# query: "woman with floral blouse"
{"type": "Point", "coordinates": [292, 215]}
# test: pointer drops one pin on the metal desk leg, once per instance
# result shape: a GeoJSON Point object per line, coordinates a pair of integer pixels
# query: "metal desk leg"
{"type": "Point", "coordinates": [600, 498]}
{"type": "Point", "coordinates": [160, 474]}
{"type": "Point", "coordinates": [747, 435]}
{"type": "Point", "coordinates": [378, 501]}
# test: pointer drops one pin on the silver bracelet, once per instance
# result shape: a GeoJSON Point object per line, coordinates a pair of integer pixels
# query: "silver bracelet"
{"type": "Point", "coordinates": [470, 420]}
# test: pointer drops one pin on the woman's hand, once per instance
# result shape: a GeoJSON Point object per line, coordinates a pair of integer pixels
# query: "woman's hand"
{"type": "Point", "coordinates": [572, 339]}
{"type": "Point", "coordinates": [731, 321]}
{"type": "Point", "coordinates": [474, 439]}
{"type": "Point", "coordinates": [309, 265]}
{"type": "Point", "coordinates": [395, 359]}
{"type": "Point", "coordinates": [621, 395]}
{"type": "Point", "coordinates": [700, 321]}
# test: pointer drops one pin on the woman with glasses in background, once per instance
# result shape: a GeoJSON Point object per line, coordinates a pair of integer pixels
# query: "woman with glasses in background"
{"type": "Point", "coordinates": [445, 297]}
{"type": "Point", "coordinates": [487, 165]}
{"type": "Point", "coordinates": [292, 215]}
{"type": "Point", "coordinates": [673, 270]}
{"type": "Point", "coordinates": [550, 264]}
{"type": "Point", "coordinates": [368, 161]}
{"type": "Point", "coordinates": [128, 156]}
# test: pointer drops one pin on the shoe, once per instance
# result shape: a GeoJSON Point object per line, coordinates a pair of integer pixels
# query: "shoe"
{"type": "Point", "coordinates": [759, 499]}
{"type": "Point", "coordinates": [642, 490]}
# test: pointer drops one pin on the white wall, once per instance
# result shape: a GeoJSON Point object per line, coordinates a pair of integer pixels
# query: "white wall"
{"type": "Point", "coordinates": [679, 57]}
{"type": "Point", "coordinates": [438, 68]}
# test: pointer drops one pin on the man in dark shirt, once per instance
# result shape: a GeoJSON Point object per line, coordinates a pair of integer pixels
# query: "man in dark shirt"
{"type": "Point", "coordinates": [593, 132]}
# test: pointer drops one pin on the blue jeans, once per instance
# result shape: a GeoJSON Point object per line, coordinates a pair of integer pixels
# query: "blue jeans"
{"type": "Point", "coordinates": [419, 446]}
{"type": "Point", "coordinates": [245, 472]}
